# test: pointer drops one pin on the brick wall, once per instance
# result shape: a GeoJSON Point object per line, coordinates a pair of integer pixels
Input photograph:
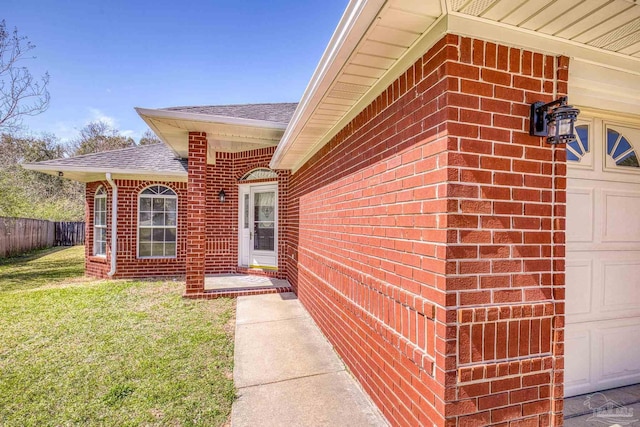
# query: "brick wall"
{"type": "Point", "coordinates": [421, 241]}
{"type": "Point", "coordinates": [222, 218]}
{"type": "Point", "coordinates": [128, 264]}
{"type": "Point", "coordinates": [220, 221]}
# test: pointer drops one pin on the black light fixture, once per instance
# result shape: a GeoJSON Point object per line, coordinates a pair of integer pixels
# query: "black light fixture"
{"type": "Point", "coordinates": [557, 125]}
{"type": "Point", "coordinates": [222, 196]}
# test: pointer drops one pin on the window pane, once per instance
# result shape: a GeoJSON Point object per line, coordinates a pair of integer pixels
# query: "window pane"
{"type": "Point", "coordinates": [158, 218]}
{"type": "Point", "coordinates": [158, 235]}
{"type": "Point", "coordinates": [145, 249]}
{"type": "Point", "coordinates": [103, 218]}
{"type": "Point", "coordinates": [170, 249]}
{"type": "Point", "coordinates": [170, 235]}
{"type": "Point", "coordinates": [264, 204]}
{"type": "Point", "coordinates": [170, 205]}
{"type": "Point", "coordinates": [170, 218]}
{"type": "Point", "coordinates": [103, 248]}
{"type": "Point", "coordinates": [158, 204]}
{"type": "Point", "coordinates": [145, 218]}
{"type": "Point", "coordinates": [157, 249]}
{"type": "Point", "coordinates": [145, 204]}
{"type": "Point", "coordinates": [145, 235]}
{"type": "Point", "coordinates": [102, 203]}
{"type": "Point", "coordinates": [264, 237]}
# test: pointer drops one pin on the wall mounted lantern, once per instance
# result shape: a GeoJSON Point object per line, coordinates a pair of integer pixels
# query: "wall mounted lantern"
{"type": "Point", "coordinates": [222, 196]}
{"type": "Point", "coordinates": [557, 125]}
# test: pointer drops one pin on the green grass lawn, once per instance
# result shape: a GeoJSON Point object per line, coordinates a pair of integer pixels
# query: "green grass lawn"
{"type": "Point", "coordinates": [76, 351]}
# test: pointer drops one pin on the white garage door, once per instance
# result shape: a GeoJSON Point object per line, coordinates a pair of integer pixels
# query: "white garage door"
{"type": "Point", "coordinates": [602, 335]}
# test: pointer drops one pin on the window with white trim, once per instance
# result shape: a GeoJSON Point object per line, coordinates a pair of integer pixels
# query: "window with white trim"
{"type": "Point", "coordinates": [100, 222]}
{"type": "Point", "coordinates": [157, 222]}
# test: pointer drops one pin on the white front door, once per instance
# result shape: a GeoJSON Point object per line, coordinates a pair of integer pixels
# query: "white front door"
{"type": "Point", "coordinates": [602, 332]}
{"type": "Point", "coordinates": [258, 226]}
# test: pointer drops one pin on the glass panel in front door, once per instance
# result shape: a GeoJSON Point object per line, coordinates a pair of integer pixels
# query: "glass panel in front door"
{"type": "Point", "coordinates": [246, 211]}
{"type": "Point", "coordinates": [264, 221]}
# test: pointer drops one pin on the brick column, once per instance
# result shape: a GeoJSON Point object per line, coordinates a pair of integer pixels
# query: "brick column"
{"type": "Point", "coordinates": [506, 257]}
{"type": "Point", "coordinates": [196, 212]}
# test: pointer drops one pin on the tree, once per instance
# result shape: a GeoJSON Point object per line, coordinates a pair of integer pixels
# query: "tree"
{"type": "Point", "coordinates": [148, 137]}
{"type": "Point", "coordinates": [31, 194]}
{"type": "Point", "coordinates": [20, 94]}
{"type": "Point", "coordinates": [99, 136]}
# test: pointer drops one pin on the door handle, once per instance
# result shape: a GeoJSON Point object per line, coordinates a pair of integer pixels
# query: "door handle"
{"type": "Point", "coordinates": [250, 235]}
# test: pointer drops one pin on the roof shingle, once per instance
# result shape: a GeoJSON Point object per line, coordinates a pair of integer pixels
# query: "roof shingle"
{"type": "Point", "coordinates": [153, 158]}
{"type": "Point", "coordinates": [275, 112]}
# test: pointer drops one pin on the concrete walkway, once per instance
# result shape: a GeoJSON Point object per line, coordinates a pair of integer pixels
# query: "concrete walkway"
{"type": "Point", "coordinates": [615, 407]}
{"type": "Point", "coordinates": [287, 373]}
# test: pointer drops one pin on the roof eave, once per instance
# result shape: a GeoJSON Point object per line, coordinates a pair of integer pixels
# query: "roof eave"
{"type": "Point", "coordinates": [352, 26]}
{"type": "Point", "coordinates": [78, 171]}
{"type": "Point", "coordinates": [207, 118]}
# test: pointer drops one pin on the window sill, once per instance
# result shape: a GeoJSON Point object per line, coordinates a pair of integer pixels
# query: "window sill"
{"type": "Point", "coordinates": [102, 259]}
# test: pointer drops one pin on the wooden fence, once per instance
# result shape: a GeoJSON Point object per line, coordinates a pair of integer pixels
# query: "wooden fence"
{"type": "Point", "coordinates": [69, 233]}
{"type": "Point", "coordinates": [19, 235]}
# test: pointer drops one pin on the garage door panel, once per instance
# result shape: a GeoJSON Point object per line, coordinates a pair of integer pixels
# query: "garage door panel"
{"type": "Point", "coordinates": [621, 281]}
{"type": "Point", "coordinates": [578, 366]}
{"type": "Point", "coordinates": [579, 286]}
{"type": "Point", "coordinates": [580, 203]}
{"type": "Point", "coordinates": [619, 343]}
{"type": "Point", "coordinates": [619, 226]}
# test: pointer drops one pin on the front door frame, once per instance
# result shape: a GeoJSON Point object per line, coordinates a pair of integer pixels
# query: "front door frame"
{"type": "Point", "coordinates": [245, 249]}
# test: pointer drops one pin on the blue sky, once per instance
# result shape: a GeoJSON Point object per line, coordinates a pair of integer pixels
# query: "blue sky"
{"type": "Point", "coordinates": [104, 58]}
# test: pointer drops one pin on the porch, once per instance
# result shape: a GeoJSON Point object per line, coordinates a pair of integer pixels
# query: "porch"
{"type": "Point", "coordinates": [236, 285]}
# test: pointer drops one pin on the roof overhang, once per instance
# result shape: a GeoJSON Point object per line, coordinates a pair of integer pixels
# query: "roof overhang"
{"type": "Point", "coordinates": [84, 174]}
{"type": "Point", "coordinates": [228, 134]}
{"type": "Point", "coordinates": [377, 40]}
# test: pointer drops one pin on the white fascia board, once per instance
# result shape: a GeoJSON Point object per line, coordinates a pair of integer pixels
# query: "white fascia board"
{"type": "Point", "coordinates": [61, 168]}
{"type": "Point", "coordinates": [207, 118]}
{"type": "Point", "coordinates": [353, 25]}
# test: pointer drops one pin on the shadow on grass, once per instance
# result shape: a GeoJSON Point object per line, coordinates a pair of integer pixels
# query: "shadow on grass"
{"type": "Point", "coordinates": [31, 255]}
{"type": "Point", "coordinates": [40, 268]}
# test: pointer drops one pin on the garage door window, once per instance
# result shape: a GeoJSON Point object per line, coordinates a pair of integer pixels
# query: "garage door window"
{"type": "Point", "coordinates": [620, 149]}
{"type": "Point", "coordinates": [578, 148]}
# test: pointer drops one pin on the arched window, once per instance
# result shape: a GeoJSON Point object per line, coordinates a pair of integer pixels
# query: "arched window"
{"type": "Point", "coordinates": [100, 222]}
{"type": "Point", "coordinates": [157, 222]}
{"type": "Point", "coordinates": [260, 173]}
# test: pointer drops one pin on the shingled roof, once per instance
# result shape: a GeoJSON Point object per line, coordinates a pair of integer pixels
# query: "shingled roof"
{"type": "Point", "coordinates": [276, 112]}
{"type": "Point", "coordinates": [154, 159]}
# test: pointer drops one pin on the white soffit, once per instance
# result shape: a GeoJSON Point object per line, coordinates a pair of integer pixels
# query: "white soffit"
{"type": "Point", "coordinates": [378, 48]}
{"type": "Point", "coordinates": [612, 25]}
{"type": "Point", "coordinates": [228, 134]}
{"type": "Point", "coordinates": [372, 37]}
{"type": "Point", "coordinates": [88, 174]}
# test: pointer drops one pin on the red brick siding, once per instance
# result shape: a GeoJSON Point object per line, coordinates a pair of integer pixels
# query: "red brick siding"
{"type": "Point", "coordinates": [433, 198]}
{"type": "Point", "coordinates": [222, 218]}
{"type": "Point", "coordinates": [371, 254]}
{"type": "Point", "coordinates": [128, 264]}
{"type": "Point", "coordinates": [196, 211]}
{"type": "Point", "coordinates": [221, 221]}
